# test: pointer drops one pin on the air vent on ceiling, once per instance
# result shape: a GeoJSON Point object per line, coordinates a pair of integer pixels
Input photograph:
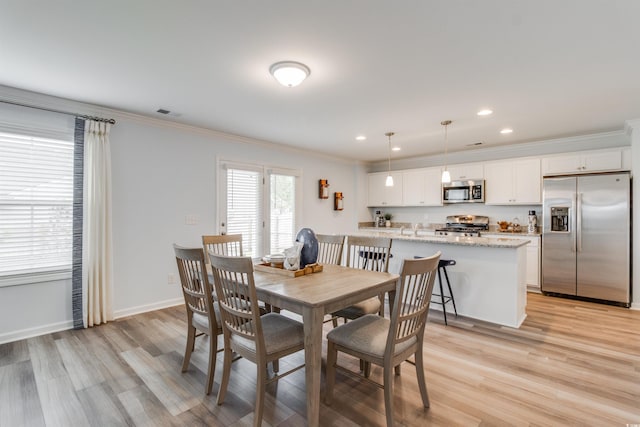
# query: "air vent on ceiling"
{"type": "Point", "coordinates": [474, 144]}
{"type": "Point", "coordinates": [162, 111]}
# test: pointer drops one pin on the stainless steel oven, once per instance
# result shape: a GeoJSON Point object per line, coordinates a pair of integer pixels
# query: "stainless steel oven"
{"type": "Point", "coordinates": [470, 191]}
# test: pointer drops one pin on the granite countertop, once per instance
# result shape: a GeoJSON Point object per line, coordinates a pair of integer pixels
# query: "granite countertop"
{"type": "Point", "coordinates": [425, 235]}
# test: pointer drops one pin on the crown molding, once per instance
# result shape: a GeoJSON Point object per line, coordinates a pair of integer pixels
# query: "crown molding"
{"type": "Point", "coordinates": [49, 101]}
{"type": "Point", "coordinates": [630, 125]}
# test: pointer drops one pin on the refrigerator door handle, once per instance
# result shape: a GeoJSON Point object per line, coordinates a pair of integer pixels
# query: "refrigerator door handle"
{"type": "Point", "coordinates": [579, 222]}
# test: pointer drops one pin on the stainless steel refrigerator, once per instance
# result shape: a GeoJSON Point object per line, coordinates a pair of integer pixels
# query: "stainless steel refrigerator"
{"type": "Point", "coordinates": [586, 236]}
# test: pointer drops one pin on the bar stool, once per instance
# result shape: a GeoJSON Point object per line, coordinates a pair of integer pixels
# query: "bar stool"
{"type": "Point", "coordinates": [442, 265]}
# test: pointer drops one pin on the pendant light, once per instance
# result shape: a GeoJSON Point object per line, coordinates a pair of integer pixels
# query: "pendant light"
{"type": "Point", "coordinates": [446, 176]}
{"type": "Point", "coordinates": [389, 181]}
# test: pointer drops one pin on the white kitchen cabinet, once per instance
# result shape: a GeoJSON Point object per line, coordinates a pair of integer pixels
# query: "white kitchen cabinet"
{"type": "Point", "coordinates": [512, 182]}
{"type": "Point", "coordinates": [422, 187]}
{"type": "Point", "coordinates": [380, 194]}
{"type": "Point", "coordinates": [466, 171]}
{"type": "Point", "coordinates": [583, 162]}
{"type": "Point", "coordinates": [533, 257]}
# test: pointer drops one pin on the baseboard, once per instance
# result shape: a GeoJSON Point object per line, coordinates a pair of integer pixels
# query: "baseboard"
{"type": "Point", "coordinates": [34, 332]}
{"type": "Point", "coordinates": [148, 307]}
{"type": "Point", "coordinates": [68, 324]}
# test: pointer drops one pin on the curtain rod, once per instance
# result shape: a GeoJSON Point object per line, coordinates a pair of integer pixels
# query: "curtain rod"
{"type": "Point", "coordinates": [82, 116]}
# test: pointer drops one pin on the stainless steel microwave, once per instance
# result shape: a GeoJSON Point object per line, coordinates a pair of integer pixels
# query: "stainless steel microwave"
{"type": "Point", "coordinates": [470, 191]}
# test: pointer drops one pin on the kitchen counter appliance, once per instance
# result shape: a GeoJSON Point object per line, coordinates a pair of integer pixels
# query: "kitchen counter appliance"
{"type": "Point", "coordinates": [586, 236]}
{"type": "Point", "coordinates": [464, 225]}
{"type": "Point", "coordinates": [469, 191]}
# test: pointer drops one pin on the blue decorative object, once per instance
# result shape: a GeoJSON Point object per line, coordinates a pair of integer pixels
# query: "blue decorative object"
{"type": "Point", "coordinates": [309, 253]}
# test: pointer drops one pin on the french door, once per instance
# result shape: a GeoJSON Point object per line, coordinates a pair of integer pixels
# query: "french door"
{"type": "Point", "coordinates": [261, 203]}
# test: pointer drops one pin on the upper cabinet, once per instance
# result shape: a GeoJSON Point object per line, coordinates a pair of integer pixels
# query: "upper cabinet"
{"type": "Point", "coordinates": [380, 194]}
{"type": "Point", "coordinates": [466, 171]}
{"type": "Point", "coordinates": [422, 187]}
{"type": "Point", "coordinates": [513, 182]}
{"type": "Point", "coordinates": [584, 162]}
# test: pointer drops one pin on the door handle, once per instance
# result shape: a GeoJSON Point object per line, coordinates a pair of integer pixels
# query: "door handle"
{"type": "Point", "coordinates": [579, 222]}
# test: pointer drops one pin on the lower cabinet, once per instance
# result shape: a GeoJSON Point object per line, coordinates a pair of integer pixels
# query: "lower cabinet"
{"type": "Point", "coordinates": [533, 257]}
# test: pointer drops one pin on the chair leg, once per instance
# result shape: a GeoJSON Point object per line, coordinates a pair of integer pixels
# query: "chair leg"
{"type": "Point", "coordinates": [226, 371]}
{"type": "Point", "coordinates": [397, 369]}
{"type": "Point", "coordinates": [260, 392]}
{"type": "Point", "coordinates": [444, 306]}
{"type": "Point", "coordinates": [335, 322]}
{"type": "Point", "coordinates": [213, 353]}
{"type": "Point", "coordinates": [191, 339]}
{"type": "Point", "coordinates": [332, 357]}
{"type": "Point", "coordinates": [276, 366]}
{"type": "Point", "coordinates": [367, 369]}
{"type": "Point", "coordinates": [422, 384]}
{"type": "Point", "coordinates": [450, 291]}
{"type": "Point", "coordinates": [388, 394]}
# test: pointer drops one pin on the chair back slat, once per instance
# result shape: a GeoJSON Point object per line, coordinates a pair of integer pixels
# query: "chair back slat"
{"type": "Point", "coordinates": [369, 253]}
{"type": "Point", "coordinates": [225, 244]}
{"type": "Point", "coordinates": [413, 295]}
{"type": "Point", "coordinates": [235, 287]}
{"type": "Point", "coordinates": [196, 288]}
{"type": "Point", "coordinates": [330, 248]}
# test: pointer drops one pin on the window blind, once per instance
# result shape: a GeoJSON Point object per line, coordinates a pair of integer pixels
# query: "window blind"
{"type": "Point", "coordinates": [244, 208]}
{"type": "Point", "coordinates": [36, 195]}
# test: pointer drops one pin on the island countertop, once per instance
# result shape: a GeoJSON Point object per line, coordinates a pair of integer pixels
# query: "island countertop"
{"type": "Point", "coordinates": [428, 237]}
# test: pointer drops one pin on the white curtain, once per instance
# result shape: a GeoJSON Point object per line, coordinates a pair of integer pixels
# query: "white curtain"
{"type": "Point", "coordinates": [97, 257]}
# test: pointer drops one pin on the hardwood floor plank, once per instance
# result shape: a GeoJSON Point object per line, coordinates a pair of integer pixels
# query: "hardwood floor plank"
{"type": "Point", "coordinates": [83, 369]}
{"type": "Point", "coordinates": [102, 407]}
{"type": "Point", "coordinates": [13, 352]}
{"type": "Point", "coordinates": [19, 402]}
{"type": "Point", "coordinates": [169, 387]}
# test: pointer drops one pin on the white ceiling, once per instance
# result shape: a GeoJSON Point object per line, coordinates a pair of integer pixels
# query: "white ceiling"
{"type": "Point", "coordinates": [548, 68]}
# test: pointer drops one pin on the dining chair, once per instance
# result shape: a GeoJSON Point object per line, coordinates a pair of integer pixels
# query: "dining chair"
{"type": "Point", "coordinates": [330, 248]}
{"type": "Point", "coordinates": [230, 245]}
{"type": "Point", "coordinates": [366, 253]}
{"type": "Point", "coordinates": [389, 342]}
{"type": "Point", "coordinates": [222, 244]}
{"type": "Point", "coordinates": [202, 312]}
{"type": "Point", "coordinates": [260, 339]}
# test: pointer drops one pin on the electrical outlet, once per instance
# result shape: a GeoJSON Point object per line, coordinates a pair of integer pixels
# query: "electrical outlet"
{"type": "Point", "coordinates": [171, 279]}
{"type": "Point", "coordinates": [191, 219]}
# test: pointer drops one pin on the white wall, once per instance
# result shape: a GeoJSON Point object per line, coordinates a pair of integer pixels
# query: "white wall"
{"type": "Point", "coordinates": [162, 172]}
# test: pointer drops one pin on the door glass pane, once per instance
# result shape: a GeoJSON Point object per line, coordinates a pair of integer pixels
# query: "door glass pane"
{"type": "Point", "coordinates": [282, 212]}
{"type": "Point", "coordinates": [244, 207]}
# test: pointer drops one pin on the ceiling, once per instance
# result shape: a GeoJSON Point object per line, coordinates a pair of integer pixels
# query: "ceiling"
{"type": "Point", "coordinates": [547, 68]}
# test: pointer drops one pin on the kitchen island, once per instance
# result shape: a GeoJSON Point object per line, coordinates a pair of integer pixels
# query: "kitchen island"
{"type": "Point", "coordinates": [488, 281]}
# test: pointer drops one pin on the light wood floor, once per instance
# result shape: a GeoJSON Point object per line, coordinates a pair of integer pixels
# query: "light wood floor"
{"type": "Point", "coordinates": [570, 363]}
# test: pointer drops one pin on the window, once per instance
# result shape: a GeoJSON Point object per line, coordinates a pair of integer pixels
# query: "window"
{"type": "Point", "coordinates": [36, 197]}
{"type": "Point", "coordinates": [261, 204]}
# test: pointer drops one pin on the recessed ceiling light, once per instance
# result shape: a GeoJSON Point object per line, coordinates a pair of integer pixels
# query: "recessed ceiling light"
{"type": "Point", "coordinates": [360, 138]}
{"type": "Point", "coordinates": [396, 149]}
{"type": "Point", "coordinates": [506, 130]}
{"type": "Point", "coordinates": [485, 112]}
{"type": "Point", "coordinates": [289, 73]}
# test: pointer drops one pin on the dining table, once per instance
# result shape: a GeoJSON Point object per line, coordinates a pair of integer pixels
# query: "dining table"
{"type": "Point", "coordinates": [313, 296]}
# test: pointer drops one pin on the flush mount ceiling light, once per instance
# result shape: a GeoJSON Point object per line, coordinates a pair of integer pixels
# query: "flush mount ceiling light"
{"type": "Point", "coordinates": [506, 130]}
{"type": "Point", "coordinates": [396, 149]}
{"type": "Point", "coordinates": [289, 73]}
{"type": "Point", "coordinates": [485, 112]}
{"type": "Point", "coordinates": [360, 138]}
{"type": "Point", "coordinates": [389, 181]}
{"type": "Point", "coordinates": [446, 176]}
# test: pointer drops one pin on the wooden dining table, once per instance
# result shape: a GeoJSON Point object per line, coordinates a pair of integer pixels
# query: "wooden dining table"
{"type": "Point", "coordinates": [313, 296]}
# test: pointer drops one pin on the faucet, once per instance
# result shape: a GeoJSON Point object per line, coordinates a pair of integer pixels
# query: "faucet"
{"type": "Point", "coordinates": [415, 228]}
{"type": "Point", "coordinates": [401, 230]}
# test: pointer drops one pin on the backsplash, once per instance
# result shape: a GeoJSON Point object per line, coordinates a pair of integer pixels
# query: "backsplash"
{"type": "Point", "coordinates": [434, 216]}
